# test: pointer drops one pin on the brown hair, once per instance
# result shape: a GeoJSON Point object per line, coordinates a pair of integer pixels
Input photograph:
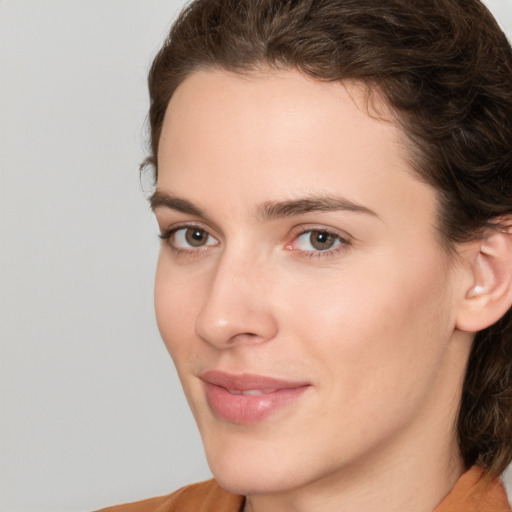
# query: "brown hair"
{"type": "Point", "coordinates": [445, 68]}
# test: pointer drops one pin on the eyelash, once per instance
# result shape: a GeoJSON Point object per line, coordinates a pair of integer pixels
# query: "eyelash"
{"type": "Point", "coordinates": [341, 242]}
{"type": "Point", "coordinates": [167, 236]}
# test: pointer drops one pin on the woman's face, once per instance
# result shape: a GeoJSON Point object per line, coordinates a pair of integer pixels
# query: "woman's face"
{"type": "Point", "coordinates": [301, 287]}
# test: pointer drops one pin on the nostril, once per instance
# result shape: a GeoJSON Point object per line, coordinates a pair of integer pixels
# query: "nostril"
{"type": "Point", "coordinates": [246, 337]}
{"type": "Point", "coordinates": [243, 328]}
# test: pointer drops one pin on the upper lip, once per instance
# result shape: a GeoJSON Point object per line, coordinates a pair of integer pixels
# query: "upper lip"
{"type": "Point", "coordinates": [247, 381]}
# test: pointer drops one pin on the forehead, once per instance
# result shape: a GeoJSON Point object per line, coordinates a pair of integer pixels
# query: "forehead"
{"type": "Point", "coordinates": [283, 135]}
{"type": "Point", "coordinates": [277, 101]}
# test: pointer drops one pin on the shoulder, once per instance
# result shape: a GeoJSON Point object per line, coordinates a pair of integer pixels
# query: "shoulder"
{"type": "Point", "coordinates": [472, 493]}
{"type": "Point", "coordinates": [201, 497]}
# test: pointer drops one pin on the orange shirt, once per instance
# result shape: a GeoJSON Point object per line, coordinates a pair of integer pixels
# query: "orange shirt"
{"type": "Point", "coordinates": [468, 495]}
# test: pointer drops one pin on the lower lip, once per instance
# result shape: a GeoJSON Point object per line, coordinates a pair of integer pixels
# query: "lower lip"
{"type": "Point", "coordinates": [249, 409]}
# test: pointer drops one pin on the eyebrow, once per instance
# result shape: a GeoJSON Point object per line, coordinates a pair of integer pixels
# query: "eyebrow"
{"type": "Point", "coordinates": [164, 200]}
{"type": "Point", "coordinates": [274, 210]}
{"type": "Point", "coordinates": [270, 210]}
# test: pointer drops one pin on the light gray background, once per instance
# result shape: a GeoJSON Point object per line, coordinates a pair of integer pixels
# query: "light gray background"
{"type": "Point", "coordinates": [91, 409]}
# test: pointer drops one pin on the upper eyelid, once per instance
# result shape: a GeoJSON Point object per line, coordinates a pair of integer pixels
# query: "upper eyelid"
{"type": "Point", "coordinates": [345, 241]}
{"type": "Point", "coordinates": [167, 236]}
{"type": "Point", "coordinates": [187, 224]}
{"type": "Point", "coordinates": [296, 231]}
{"type": "Point", "coordinates": [343, 235]}
{"type": "Point", "coordinates": [166, 216]}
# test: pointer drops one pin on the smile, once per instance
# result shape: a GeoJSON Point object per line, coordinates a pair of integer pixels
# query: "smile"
{"type": "Point", "coordinates": [248, 399]}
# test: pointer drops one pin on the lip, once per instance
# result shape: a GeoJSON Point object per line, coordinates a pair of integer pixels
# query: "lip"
{"type": "Point", "coordinates": [247, 399]}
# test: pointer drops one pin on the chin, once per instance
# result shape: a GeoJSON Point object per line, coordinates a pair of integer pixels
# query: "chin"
{"type": "Point", "coordinates": [248, 466]}
{"type": "Point", "coordinates": [253, 466]}
{"type": "Point", "coordinates": [252, 481]}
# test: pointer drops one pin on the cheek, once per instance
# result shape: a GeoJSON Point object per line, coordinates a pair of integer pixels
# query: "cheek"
{"type": "Point", "coordinates": [379, 319]}
{"type": "Point", "coordinates": [176, 303]}
{"type": "Point", "coordinates": [376, 344]}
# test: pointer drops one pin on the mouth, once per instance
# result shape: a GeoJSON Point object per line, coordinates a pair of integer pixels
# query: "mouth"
{"type": "Point", "coordinates": [247, 399]}
{"type": "Point", "coordinates": [252, 392]}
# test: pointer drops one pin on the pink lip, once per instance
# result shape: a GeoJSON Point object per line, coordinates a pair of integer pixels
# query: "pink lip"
{"type": "Point", "coordinates": [248, 399]}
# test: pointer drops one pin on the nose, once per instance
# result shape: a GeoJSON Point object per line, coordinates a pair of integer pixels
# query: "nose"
{"type": "Point", "coordinates": [237, 309]}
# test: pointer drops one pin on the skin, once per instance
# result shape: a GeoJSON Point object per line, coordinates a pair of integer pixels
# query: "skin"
{"type": "Point", "coordinates": [370, 323]}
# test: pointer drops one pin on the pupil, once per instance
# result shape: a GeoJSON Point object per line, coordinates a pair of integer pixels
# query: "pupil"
{"type": "Point", "coordinates": [321, 240]}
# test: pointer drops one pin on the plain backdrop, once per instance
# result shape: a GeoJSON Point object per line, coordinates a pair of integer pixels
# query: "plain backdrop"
{"type": "Point", "coordinates": [91, 410]}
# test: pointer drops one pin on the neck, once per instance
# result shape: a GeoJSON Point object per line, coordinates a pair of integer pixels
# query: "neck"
{"type": "Point", "coordinates": [391, 488]}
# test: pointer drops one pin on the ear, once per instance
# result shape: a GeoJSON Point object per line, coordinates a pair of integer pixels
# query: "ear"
{"type": "Point", "coordinates": [489, 295]}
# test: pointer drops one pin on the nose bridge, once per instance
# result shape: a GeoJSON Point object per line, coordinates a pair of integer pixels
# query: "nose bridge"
{"type": "Point", "coordinates": [236, 308]}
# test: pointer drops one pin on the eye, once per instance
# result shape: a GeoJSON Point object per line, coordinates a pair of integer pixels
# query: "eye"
{"type": "Point", "coordinates": [317, 240]}
{"type": "Point", "coordinates": [189, 238]}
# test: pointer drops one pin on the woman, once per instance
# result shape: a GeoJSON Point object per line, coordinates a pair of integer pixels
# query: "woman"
{"type": "Point", "coordinates": [334, 194]}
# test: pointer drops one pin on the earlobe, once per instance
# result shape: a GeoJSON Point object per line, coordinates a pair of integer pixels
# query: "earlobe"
{"type": "Point", "coordinates": [489, 296]}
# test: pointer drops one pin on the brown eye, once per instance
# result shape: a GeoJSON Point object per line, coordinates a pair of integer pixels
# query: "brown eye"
{"type": "Point", "coordinates": [318, 241]}
{"type": "Point", "coordinates": [322, 240]}
{"type": "Point", "coordinates": [196, 237]}
{"type": "Point", "coordinates": [189, 238]}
